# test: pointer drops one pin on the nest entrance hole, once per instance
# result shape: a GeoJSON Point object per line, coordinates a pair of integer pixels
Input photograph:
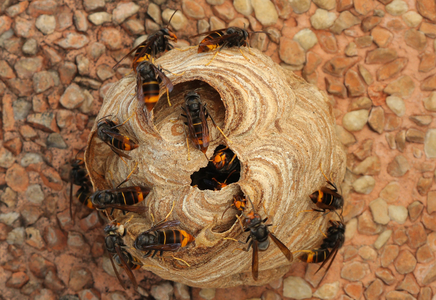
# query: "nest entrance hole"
{"type": "Point", "coordinates": [209, 178]}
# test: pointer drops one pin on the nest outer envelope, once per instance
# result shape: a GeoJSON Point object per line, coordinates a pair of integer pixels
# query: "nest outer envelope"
{"type": "Point", "coordinates": [280, 127]}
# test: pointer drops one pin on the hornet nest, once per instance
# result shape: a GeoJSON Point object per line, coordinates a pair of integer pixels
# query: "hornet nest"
{"type": "Point", "coordinates": [281, 129]}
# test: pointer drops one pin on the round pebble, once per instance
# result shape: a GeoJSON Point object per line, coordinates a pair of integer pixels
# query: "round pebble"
{"type": "Point", "coordinates": [430, 143]}
{"type": "Point", "coordinates": [398, 213]}
{"type": "Point", "coordinates": [296, 288]}
{"type": "Point", "coordinates": [364, 185]}
{"type": "Point", "coordinates": [412, 18]}
{"type": "Point", "coordinates": [265, 12]}
{"type": "Point", "coordinates": [355, 120]}
{"type": "Point", "coordinates": [327, 291]}
{"type": "Point", "coordinates": [397, 105]}
{"type": "Point", "coordinates": [322, 19]}
{"type": "Point", "coordinates": [46, 24]}
{"type": "Point", "coordinates": [306, 38]}
{"type": "Point", "coordinates": [243, 7]}
{"type": "Point", "coordinates": [100, 18]}
{"type": "Point", "coordinates": [397, 7]}
{"type": "Point", "coordinates": [382, 239]}
{"type": "Point", "coordinates": [35, 194]}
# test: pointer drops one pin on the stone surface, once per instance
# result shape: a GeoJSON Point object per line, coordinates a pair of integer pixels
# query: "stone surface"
{"type": "Point", "coordinates": [80, 278]}
{"type": "Point", "coordinates": [363, 41]}
{"type": "Point", "coordinates": [73, 41]}
{"type": "Point", "coordinates": [403, 87]}
{"type": "Point", "coordinates": [300, 6]}
{"type": "Point", "coordinates": [415, 39]}
{"type": "Point", "coordinates": [354, 271]}
{"type": "Point", "coordinates": [91, 5]}
{"type": "Point", "coordinates": [400, 140]}
{"type": "Point", "coordinates": [379, 209]}
{"type": "Point", "coordinates": [46, 24]}
{"type": "Point", "coordinates": [398, 213]}
{"type": "Point", "coordinates": [355, 120]}
{"type": "Point", "coordinates": [354, 84]}
{"type": "Point", "coordinates": [306, 38]}
{"type": "Point", "coordinates": [296, 287]}
{"type": "Point", "coordinates": [327, 291]}
{"type": "Point", "coordinates": [100, 18]}
{"type": "Point", "coordinates": [265, 12]}
{"type": "Point", "coordinates": [322, 19]}
{"type": "Point", "coordinates": [344, 21]}
{"type": "Point", "coordinates": [382, 239]}
{"type": "Point", "coordinates": [397, 7]}
{"type": "Point", "coordinates": [427, 9]}
{"type": "Point", "coordinates": [124, 11]}
{"type": "Point", "coordinates": [391, 69]}
{"type": "Point", "coordinates": [42, 81]}
{"type": "Point", "coordinates": [397, 105]}
{"type": "Point", "coordinates": [394, 295]}
{"type": "Point", "coordinates": [17, 178]}
{"type": "Point", "coordinates": [72, 97]}
{"type": "Point", "coordinates": [381, 56]}
{"type": "Point", "coordinates": [291, 52]}
{"type": "Point", "coordinates": [179, 21]}
{"type": "Point", "coordinates": [415, 210]}
{"type": "Point", "coordinates": [412, 18]}
{"type": "Point", "coordinates": [430, 143]}
{"type": "Point", "coordinates": [346, 138]}
{"type": "Point", "coordinates": [338, 65]}
{"type": "Point", "coordinates": [405, 262]}
{"type": "Point", "coordinates": [376, 119]}
{"type": "Point", "coordinates": [427, 63]}
{"type": "Point", "coordinates": [111, 37]}
{"type": "Point", "coordinates": [327, 41]}
{"type": "Point", "coordinates": [26, 67]}
{"type": "Point", "coordinates": [375, 289]}
{"type": "Point", "coordinates": [386, 276]}
{"type": "Point", "coordinates": [424, 254]}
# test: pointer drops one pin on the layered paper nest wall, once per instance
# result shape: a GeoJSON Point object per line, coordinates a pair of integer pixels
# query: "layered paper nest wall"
{"type": "Point", "coordinates": [281, 129]}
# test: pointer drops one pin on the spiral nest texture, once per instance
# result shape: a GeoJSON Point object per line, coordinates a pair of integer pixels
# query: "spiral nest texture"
{"type": "Point", "coordinates": [280, 127]}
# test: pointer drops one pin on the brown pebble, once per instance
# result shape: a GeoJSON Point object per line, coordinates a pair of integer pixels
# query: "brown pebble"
{"type": "Point", "coordinates": [17, 178]}
{"type": "Point", "coordinates": [354, 84]}
{"type": "Point", "coordinates": [375, 289]}
{"type": "Point", "coordinates": [424, 254]}
{"type": "Point", "coordinates": [398, 166]}
{"type": "Point", "coordinates": [400, 236]}
{"type": "Point", "coordinates": [80, 278]}
{"type": "Point", "coordinates": [415, 39]}
{"type": "Point", "coordinates": [385, 275]}
{"type": "Point", "coordinates": [91, 221]}
{"type": "Point", "coordinates": [381, 56]}
{"type": "Point", "coordinates": [427, 63]}
{"type": "Point", "coordinates": [390, 253]}
{"type": "Point", "coordinates": [415, 210]}
{"type": "Point", "coordinates": [376, 119]}
{"type": "Point", "coordinates": [55, 238]}
{"type": "Point", "coordinates": [51, 178]}
{"type": "Point", "coordinates": [17, 280]}
{"type": "Point", "coordinates": [395, 295]}
{"type": "Point", "coordinates": [338, 65]}
{"type": "Point", "coordinates": [354, 271]}
{"type": "Point", "coordinates": [354, 290]}
{"type": "Point", "coordinates": [405, 262]}
{"type": "Point", "coordinates": [425, 293]}
{"type": "Point", "coordinates": [415, 136]}
{"type": "Point", "coordinates": [366, 225]}
{"type": "Point", "coordinates": [391, 69]}
{"type": "Point", "coordinates": [39, 266]}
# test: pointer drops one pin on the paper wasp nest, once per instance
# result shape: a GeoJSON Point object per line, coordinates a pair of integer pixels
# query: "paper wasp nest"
{"type": "Point", "coordinates": [281, 129]}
